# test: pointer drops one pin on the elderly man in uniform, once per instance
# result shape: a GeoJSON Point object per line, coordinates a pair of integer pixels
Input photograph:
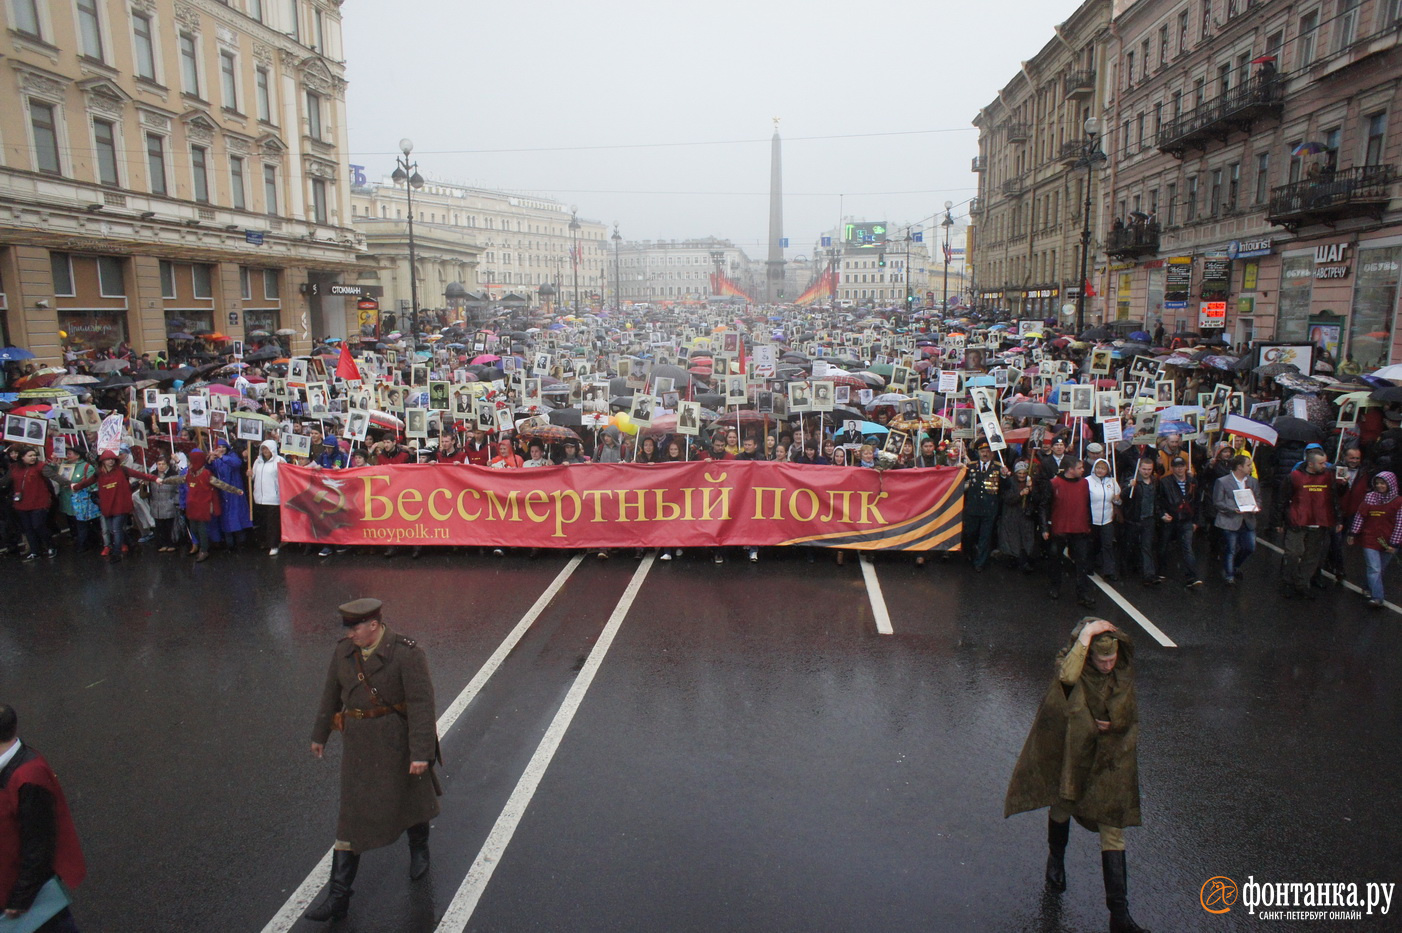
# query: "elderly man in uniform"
{"type": "Point", "coordinates": [1081, 758]}
{"type": "Point", "coordinates": [982, 497]}
{"type": "Point", "coordinates": [378, 693]}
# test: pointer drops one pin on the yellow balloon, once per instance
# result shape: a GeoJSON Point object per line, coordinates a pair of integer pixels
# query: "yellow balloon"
{"type": "Point", "coordinates": [628, 427]}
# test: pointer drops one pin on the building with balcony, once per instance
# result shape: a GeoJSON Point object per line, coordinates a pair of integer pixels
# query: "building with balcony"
{"type": "Point", "coordinates": [172, 165]}
{"type": "Point", "coordinates": [1025, 251]}
{"type": "Point", "coordinates": [1259, 140]}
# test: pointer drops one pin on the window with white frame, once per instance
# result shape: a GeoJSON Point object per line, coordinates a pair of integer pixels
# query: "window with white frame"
{"type": "Point", "coordinates": [111, 280]}
{"type": "Point", "coordinates": [189, 64]}
{"type": "Point", "coordinates": [199, 170]}
{"type": "Point", "coordinates": [255, 10]}
{"type": "Point", "coordinates": [27, 18]}
{"type": "Point", "coordinates": [265, 98]}
{"type": "Point", "coordinates": [104, 133]}
{"type": "Point", "coordinates": [156, 162]}
{"type": "Point", "coordinates": [61, 269]}
{"type": "Point", "coordinates": [237, 191]}
{"type": "Point", "coordinates": [319, 209]}
{"type": "Point", "coordinates": [270, 189]}
{"type": "Point", "coordinates": [202, 280]}
{"type": "Point", "coordinates": [271, 290]}
{"type": "Point", "coordinates": [144, 40]}
{"type": "Point", "coordinates": [1304, 45]}
{"type": "Point", "coordinates": [229, 78]}
{"type": "Point", "coordinates": [43, 122]}
{"type": "Point", "coordinates": [1346, 24]}
{"type": "Point", "coordinates": [167, 279]}
{"type": "Point", "coordinates": [245, 282]}
{"type": "Point", "coordinates": [314, 115]}
{"type": "Point", "coordinates": [90, 29]}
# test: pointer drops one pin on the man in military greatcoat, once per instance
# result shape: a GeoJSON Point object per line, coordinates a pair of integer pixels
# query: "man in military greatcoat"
{"type": "Point", "coordinates": [379, 695]}
{"type": "Point", "coordinates": [1081, 758]}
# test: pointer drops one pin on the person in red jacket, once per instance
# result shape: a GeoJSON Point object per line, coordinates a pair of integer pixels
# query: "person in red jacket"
{"type": "Point", "coordinates": [1305, 511]}
{"type": "Point", "coordinates": [478, 450]}
{"type": "Point", "coordinates": [114, 500]}
{"type": "Point", "coordinates": [1378, 527]}
{"type": "Point", "coordinates": [32, 497]}
{"type": "Point", "coordinates": [202, 503]}
{"type": "Point", "coordinates": [38, 842]}
{"type": "Point", "coordinates": [1066, 524]}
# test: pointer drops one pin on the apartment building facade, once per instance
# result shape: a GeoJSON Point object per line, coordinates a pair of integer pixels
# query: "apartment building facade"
{"type": "Point", "coordinates": [171, 166]}
{"type": "Point", "coordinates": [1028, 216]}
{"type": "Point", "coordinates": [1253, 171]}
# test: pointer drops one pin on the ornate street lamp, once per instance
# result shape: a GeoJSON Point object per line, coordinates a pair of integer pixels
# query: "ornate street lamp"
{"type": "Point", "coordinates": [408, 172]}
{"type": "Point", "coordinates": [1091, 156]}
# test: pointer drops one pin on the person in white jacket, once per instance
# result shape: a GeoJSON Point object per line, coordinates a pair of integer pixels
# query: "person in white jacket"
{"type": "Point", "coordinates": [266, 502]}
{"type": "Point", "coordinates": [1104, 496]}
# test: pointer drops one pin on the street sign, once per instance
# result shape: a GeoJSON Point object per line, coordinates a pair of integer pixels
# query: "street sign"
{"type": "Point", "coordinates": [255, 237]}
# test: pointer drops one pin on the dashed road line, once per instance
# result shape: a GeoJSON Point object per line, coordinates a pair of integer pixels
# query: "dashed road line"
{"type": "Point", "coordinates": [1154, 631]}
{"type": "Point", "coordinates": [301, 898]}
{"type": "Point", "coordinates": [469, 893]}
{"type": "Point", "coordinates": [878, 601]}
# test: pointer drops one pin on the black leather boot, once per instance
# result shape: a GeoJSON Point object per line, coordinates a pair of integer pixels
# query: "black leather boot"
{"type": "Point", "coordinates": [418, 851]}
{"type": "Point", "coordinates": [338, 894]}
{"type": "Point", "coordinates": [1057, 834]}
{"type": "Point", "coordinates": [1117, 893]}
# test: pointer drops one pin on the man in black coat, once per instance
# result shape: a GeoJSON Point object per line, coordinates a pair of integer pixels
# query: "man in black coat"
{"type": "Point", "coordinates": [1178, 500]}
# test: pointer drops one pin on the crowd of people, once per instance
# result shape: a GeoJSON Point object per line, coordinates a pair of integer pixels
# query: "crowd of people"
{"type": "Point", "coordinates": [1047, 487]}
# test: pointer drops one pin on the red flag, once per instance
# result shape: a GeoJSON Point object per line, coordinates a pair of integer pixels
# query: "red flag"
{"type": "Point", "coordinates": [345, 366]}
{"type": "Point", "coordinates": [1090, 289]}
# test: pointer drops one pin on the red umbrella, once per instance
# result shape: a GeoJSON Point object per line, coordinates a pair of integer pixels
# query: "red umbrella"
{"type": "Point", "coordinates": [31, 410]}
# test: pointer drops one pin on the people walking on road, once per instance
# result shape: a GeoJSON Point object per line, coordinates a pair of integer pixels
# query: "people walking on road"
{"type": "Point", "coordinates": [41, 860]}
{"type": "Point", "coordinates": [33, 496]}
{"type": "Point", "coordinates": [1066, 526]}
{"type": "Point", "coordinates": [202, 501]}
{"type": "Point", "coordinates": [1139, 503]}
{"type": "Point", "coordinates": [113, 483]}
{"type": "Point", "coordinates": [1081, 759]}
{"type": "Point", "coordinates": [1306, 513]}
{"type": "Point", "coordinates": [266, 497]}
{"type": "Point", "coordinates": [1178, 504]}
{"type": "Point", "coordinates": [1377, 527]}
{"type": "Point", "coordinates": [1236, 501]}
{"type": "Point", "coordinates": [379, 695]}
{"type": "Point", "coordinates": [982, 499]}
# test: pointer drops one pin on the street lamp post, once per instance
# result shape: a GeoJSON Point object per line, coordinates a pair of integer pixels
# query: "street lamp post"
{"type": "Point", "coordinates": [908, 235]}
{"type": "Point", "coordinates": [832, 282]}
{"type": "Point", "coordinates": [408, 172]}
{"type": "Point", "coordinates": [617, 281]}
{"type": "Point", "coordinates": [574, 256]}
{"type": "Point", "coordinates": [1090, 156]}
{"type": "Point", "coordinates": [948, 224]}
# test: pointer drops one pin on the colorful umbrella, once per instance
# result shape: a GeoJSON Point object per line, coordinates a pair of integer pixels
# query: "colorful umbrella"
{"type": "Point", "coordinates": [1311, 147]}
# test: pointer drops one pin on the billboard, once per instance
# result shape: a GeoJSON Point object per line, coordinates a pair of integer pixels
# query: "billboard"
{"type": "Point", "coordinates": [865, 234]}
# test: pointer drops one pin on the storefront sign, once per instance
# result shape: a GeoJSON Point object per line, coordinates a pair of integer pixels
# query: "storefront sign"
{"type": "Point", "coordinates": [1041, 293]}
{"type": "Point", "coordinates": [1246, 249]}
{"type": "Point", "coordinates": [703, 504]}
{"type": "Point", "coordinates": [1216, 277]}
{"type": "Point", "coordinates": [1212, 314]}
{"type": "Point", "coordinates": [1178, 282]}
{"type": "Point", "coordinates": [1331, 272]}
{"type": "Point", "coordinates": [358, 291]}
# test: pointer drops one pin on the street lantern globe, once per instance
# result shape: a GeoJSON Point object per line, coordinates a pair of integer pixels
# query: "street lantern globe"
{"type": "Point", "coordinates": [455, 290]}
{"type": "Point", "coordinates": [406, 145]}
{"type": "Point", "coordinates": [547, 291]}
{"type": "Point", "coordinates": [1092, 126]}
{"type": "Point", "coordinates": [574, 222]}
{"type": "Point", "coordinates": [616, 235]}
{"type": "Point", "coordinates": [948, 205]}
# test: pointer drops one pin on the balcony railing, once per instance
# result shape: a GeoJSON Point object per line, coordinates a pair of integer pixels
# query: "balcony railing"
{"type": "Point", "coordinates": [979, 164]}
{"type": "Point", "coordinates": [1079, 84]}
{"type": "Point", "coordinates": [1071, 151]}
{"type": "Point", "coordinates": [1361, 191]}
{"type": "Point", "coordinates": [1013, 187]}
{"type": "Point", "coordinates": [976, 206]}
{"type": "Point", "coordinates": [1018, 132]}
{"type": "Point", "coordinates": [1260, 96]}
{"type": "Point", "coordinates": [1138, 239]}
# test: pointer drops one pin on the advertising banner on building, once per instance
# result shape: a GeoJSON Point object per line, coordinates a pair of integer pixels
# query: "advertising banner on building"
{"type": "Point", "coordinates": [1178, 284]}
{"type": "Point", "coordinates": [701, 504]}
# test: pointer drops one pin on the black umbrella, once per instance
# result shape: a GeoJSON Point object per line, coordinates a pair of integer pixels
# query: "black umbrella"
{"type": "Point", "coordinates": [1098, 333]}
{"type": "Point", "coordinates": [1244, 363]}
{"type": "Point", "coordinates": [263, 355]}
{"type": "Point", "coordinates": [1275, 369]}
{"type": "Point", "coordinates": [710, 399]}
{"type": "Point", "coordinates": [568, 417]}
{"type": "Point", "coordinates": [1389, 394]}
{"type": "Point", "coordinates": [1298, 429]}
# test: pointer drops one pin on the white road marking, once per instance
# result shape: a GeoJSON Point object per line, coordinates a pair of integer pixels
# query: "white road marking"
{"type": "Point", "coordinates": [1348, 584]}
{"type": "Point", "coordinates": [1133, 613]}
{"type": "Point", "coordinates": [878, 601]}
{"type": "Point", "coordinates": [469, 893]}
{"type": "Point", "coordinates": [301, 898]}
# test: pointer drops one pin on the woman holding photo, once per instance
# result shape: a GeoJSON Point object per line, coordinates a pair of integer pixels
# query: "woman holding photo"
{"type": "Point", "coordinates": [80, 508]}
{"type": "Point", "coordinates": [32, 497]}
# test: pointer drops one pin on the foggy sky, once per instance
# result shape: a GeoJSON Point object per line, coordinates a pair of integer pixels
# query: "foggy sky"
{"type": "Point", "coordinates": [565, 77]}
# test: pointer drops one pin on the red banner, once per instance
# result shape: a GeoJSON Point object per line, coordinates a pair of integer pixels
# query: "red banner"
{"type": "Point", "coordinates": [701, 504]}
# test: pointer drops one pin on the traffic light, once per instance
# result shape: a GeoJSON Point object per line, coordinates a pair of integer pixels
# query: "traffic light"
{"type": "Point", "coordinates": [881, 260]}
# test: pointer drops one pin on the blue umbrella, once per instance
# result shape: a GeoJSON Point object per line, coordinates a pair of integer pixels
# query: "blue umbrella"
{"type": "Point", "coordinates": [1140, 335]}
{"type": "Point", "coordinates": [981, 381]}
{"type": "Point", "coordinates": [871, 427]}
{"type": "Point", "coordinates": [1175, 427]}
{"type": "Point", "coordinates": [15, 354]}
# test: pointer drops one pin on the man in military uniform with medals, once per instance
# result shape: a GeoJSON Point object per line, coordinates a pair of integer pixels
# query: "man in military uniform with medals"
{"type": "Point", "coordinates": [378, 694]}
{"type": "Point", "coordinates": [982, 489]}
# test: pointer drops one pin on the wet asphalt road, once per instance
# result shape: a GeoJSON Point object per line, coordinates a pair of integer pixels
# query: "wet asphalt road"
{"type": "Point", "coordinates": [751, 756]}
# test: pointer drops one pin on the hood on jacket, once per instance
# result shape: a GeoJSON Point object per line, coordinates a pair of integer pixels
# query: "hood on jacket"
{"type": "Point", "coordinates": [197, 459]}
{"type": "Point", "coordinates": [1109, 469]}
{"type": "Point", "coordinates": [109, 455]}
{"type": "Point", "coordinates": [1391, 481]}
{"type": "Point", "coordinates": [271, 446]}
